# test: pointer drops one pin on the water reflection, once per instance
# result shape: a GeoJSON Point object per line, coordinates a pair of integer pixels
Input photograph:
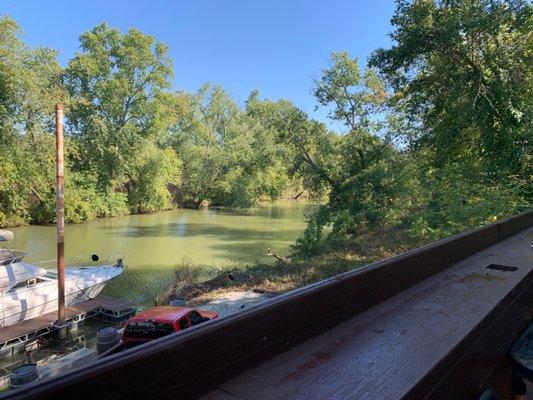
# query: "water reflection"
{"type": "Point", "coordinates": [155, 244]}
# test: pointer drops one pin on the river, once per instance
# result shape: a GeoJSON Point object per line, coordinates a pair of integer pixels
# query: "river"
{"type": "Point", "coordinates": [153, 245]}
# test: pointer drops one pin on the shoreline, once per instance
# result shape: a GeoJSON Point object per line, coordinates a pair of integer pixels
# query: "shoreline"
{"type": "Point", "coordinates": [301, 201]}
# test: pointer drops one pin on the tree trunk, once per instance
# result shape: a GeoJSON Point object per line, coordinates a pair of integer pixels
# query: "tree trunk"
{"type": "Point", "coordinates": [198, 203]}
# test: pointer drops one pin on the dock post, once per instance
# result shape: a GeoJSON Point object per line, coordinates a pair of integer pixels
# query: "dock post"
{"type": "Point", "coordinates": [60, 217]}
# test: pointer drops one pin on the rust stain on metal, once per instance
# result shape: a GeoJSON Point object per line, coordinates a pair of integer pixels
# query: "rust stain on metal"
{"type": "Point", "coordinates": [60, 216]}
{"type": "Point", "coordinates": [317, 358]}
{"type": "Point", "coordinates": [476, 276]}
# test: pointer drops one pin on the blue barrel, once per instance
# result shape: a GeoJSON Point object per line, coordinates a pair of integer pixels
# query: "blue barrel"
{"type": "Point", "coordinates": [23, 375]}
{"type": "Point", "coordinates": [177, 302]}
{"type": "Point", "coordinates": [106, 338]}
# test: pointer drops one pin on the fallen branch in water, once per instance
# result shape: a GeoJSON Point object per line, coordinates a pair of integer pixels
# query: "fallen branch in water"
{"type": "Point", "coordinates": [279, 258]}
{"type": "Point", "coordinates": [298, 195]}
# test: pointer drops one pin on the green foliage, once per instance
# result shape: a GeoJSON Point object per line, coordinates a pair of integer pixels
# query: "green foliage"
{"type": "Point", "coordinates": [459, 199]}
{"type": "Point", "coordinates": [84, 201]}
{"type": "Point", "coordinates": [368, 178]}
{"type": "Point", "coordinates": [309, 243]}
{"type": "Point", "coordinates": [462, 71]}
{"type": "Point", "coordinates": [463, 78]}
{"type": "Point", "coordinates": [356, 96]}
{"type": "Point", "coordinates": [229, 157]}
{"type": "Point", "coordinates": [448, 149]}
{"type": "Point", "coordinates": [132, 145]}
{"type": "Point", "coordinates": [156, 169]}
{"type": "Point", "coordinates": [29, 86]}
{"type": "Point", "coordinates": [302, 146]}
{"type": "Point", "coordinates": [114, 82]}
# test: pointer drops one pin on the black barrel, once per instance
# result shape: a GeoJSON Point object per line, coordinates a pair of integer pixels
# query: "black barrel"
{"type": "Point", "coordinates": [106, 338]}
{"type": "Point", "coordinates": [23, 375]}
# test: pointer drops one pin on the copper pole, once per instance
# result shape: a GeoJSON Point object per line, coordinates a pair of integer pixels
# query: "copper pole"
{"type": "Point", "coordinates": [60, 217]}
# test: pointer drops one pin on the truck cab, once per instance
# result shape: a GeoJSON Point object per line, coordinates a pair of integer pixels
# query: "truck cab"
{"type": "Point", "coordinates": [157, 322]}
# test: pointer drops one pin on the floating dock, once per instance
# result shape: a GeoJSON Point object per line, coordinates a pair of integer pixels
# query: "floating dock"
{"type": "Point", "coordinates": [105, 308]}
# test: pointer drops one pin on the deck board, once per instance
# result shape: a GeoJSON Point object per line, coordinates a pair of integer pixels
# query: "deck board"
{"type": "Point", "coordinates": [44, 321]}
{"type": "Point", "coordinates": [385, 351]}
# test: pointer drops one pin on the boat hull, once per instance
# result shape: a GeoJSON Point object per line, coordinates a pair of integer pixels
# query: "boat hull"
{"type": "Point", "coordinates": [24, 303]}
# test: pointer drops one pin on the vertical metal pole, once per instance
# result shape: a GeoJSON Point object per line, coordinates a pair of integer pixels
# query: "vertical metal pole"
{"type": "Point", "coordinates": [60, 217]}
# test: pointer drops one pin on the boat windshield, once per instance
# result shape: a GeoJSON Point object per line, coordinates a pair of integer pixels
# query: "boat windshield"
{"type": "Point", "coordinates": [50, 275]}
{"type": "Point", "coordinates": [8, 256]}
{"type": "Point", "coordinates": [147, 329]}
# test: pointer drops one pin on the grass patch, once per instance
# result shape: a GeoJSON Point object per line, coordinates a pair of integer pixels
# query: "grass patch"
{"type": "Point", "coordinates": [334, 257]}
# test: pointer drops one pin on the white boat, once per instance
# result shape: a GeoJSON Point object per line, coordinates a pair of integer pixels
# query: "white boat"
{"type": "Point", "coordinates": [14, 271]}
{"type": "Point", "coordinates": [27, 291]}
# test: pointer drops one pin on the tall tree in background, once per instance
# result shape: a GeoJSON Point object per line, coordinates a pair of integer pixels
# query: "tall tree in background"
{"type": "Point", "coordinates": [200, 137]}
{"type": "Point", "coordinates": [229, 158]}
{"type": "Point", "coordinates": [305, 148]}
{"type": "Point", "coordinates": [366, 175]}
{"type": "Point", "coordinates": [29, 88]}
{"type": "Point", "coordinates": [462, 73]}
{"type": "Point", "coordinates": [115, 83]}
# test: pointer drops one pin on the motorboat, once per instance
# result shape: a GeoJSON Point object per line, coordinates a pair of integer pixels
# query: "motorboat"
{"type": "Point", "coordinates": [28, 291]}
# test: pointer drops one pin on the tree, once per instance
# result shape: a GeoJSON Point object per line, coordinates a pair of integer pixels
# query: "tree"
{"type": "Point", "coordinates": [116, 83]}
{"type": "Point", "coordinates": [369, 178]}
{"type": "Point", "coordinates": [462, 71]}
{"type": "Point", "coordinates": [29, 87]}
{"type": "Point", "coordinates": [229, 157]}
{"type": "Point", "coordinates": [357, 98]}
{"type": "Point", "coordinates": [199, 135]}
{"type": "Point", "coordinates": [462, 75]}
{"type": "Point", "coordinates": [304, 147]}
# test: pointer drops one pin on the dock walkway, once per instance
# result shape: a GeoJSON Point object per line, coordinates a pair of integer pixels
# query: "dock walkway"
{"type": "Point", "coordinates": [106, 308]}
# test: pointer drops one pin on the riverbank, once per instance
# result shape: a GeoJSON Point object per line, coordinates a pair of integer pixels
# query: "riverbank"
{"type": "Point", "coordinates": [152, 245]}
{"type": "Point", "coordinates": [290, 197]}
{"type": "Point", "coordinates": [287, 273]}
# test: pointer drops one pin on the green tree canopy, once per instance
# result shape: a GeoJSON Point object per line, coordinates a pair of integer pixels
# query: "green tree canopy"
{"type": "Point", "coordinates": [115, 83]}
{"type": "Point", "coordinates": [29, 88]}
{"type": "Point", "coordinates": [462, 70]}
{"type": "Point", "coordinates": [118, 116]}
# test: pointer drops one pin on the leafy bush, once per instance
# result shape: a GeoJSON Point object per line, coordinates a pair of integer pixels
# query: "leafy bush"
{"type": "Point", "coordinates": [309, 243]}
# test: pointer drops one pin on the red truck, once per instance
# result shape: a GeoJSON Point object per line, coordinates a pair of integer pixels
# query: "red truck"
{"type": "Point", "coordinates": [157, 322]}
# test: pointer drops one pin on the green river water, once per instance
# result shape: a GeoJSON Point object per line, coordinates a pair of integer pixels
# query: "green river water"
{"type": "Point", "coordinates": [154, 245]}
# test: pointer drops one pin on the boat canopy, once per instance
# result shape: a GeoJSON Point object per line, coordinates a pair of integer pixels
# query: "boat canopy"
{"type": "Point", "coordinates": [6, 236]}
{"type": "Point", "coordinates": [14, 273]}
{"type": "Point", "coordinates": [8, 256]}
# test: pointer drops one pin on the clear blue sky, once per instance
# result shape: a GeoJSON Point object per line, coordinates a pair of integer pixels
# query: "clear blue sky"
{"type": "Point", "coordinates": [275, 46]}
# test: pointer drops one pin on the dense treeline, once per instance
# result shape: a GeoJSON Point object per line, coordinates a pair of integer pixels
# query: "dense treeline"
{"type": "Point", "coordinates": [437, 129]}
{"type": "Point", "coordinates": [134, 145]}
{"type": "Point", "coordinates": [447, 145]}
